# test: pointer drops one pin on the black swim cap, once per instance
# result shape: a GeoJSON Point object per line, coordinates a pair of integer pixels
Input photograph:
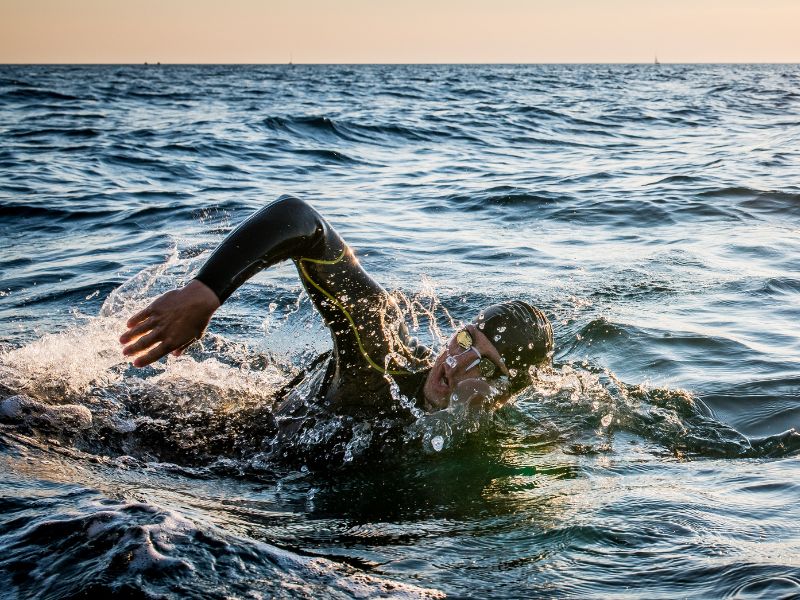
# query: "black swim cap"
{"type": "Point", "coordinates": [522, 335]}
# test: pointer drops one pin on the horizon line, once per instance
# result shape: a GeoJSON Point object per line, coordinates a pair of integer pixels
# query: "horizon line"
{"type": "Point", "coordinates": [286, 64]}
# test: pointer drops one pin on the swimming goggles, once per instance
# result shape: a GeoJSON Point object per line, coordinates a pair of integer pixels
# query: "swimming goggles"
{"type": "Point", "coordinates": [487, 367]}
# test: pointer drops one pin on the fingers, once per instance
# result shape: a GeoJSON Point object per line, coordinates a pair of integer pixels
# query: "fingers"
{"type": "Point", "coordinates": [140, 316]}
{"type": "Point", "coordinates": [152, 356]}
{"type": "Point", "coordinates": [155, 347]}
{"type": "Point", "coordinates": [137, 331]}
{"type": "Point", "coordinates": [143, 343]}
{"type": "Point", "coordinates": [155, 344]}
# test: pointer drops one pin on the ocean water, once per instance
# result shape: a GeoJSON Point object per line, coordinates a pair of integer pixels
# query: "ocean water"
{"type": "Point", "coordinates": [652, 212]}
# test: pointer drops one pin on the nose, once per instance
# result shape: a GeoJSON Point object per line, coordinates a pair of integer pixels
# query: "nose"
{"type": "Point", "coordinates": [458, 363]}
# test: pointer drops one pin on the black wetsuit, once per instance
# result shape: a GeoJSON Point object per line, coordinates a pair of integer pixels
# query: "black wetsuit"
{"type": "Point", "coordinates": [371, 346]}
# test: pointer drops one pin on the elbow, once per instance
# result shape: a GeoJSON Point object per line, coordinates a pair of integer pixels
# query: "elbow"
{"type": "Point", "coordinates": [290, 209]}
{"type": "Point", "coordinates": [291, 205]}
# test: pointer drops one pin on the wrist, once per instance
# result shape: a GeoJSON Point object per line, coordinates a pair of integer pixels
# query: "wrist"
{"type": "Point", "coordinates": [203, 295]}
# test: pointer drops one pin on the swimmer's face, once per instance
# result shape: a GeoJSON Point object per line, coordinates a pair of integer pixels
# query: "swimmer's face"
{"type": "Point", "coordinates": [456, 372]}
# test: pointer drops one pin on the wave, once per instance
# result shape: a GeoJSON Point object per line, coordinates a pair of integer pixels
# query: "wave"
{"type": "Point", "coordinates": [597, 401]}
{"type": "Point", "coordinates": [73, 542]}
{"type": "Point", "coordinates": [571, 208]}
{"type": "Point", "coordinates": [68, 132]}
{"type": "Point", "coordinates": [311, 126]}
{"type": "Point", "coordinates": [318, 126]}
{"type": "Point", "coordinates": [782, 286]}
{"type": "Point", "coordinates": [158, 166]}
{"type": "Point", "coordinates": [499, 196]}
{"type": "Point", "coordinates": [324, 155]}
{"type": "Point", "coordinates": [15, 210]}
{"type": "Point", "coordinates": [76, 115]}
{"type": "Point", "coordinates": [37, 94]}
{"type": "Point", "coordinates": [159, 95]}
{"type": "Point", "coordinates": [681, 179]}
{"type": "Point", "coordinates": [564, 117]}
{"type": "Point", "coordinates": [758, 201]}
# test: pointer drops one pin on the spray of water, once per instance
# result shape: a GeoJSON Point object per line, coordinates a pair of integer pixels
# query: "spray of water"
{"type": "Point", "coordinates": [213, 403]}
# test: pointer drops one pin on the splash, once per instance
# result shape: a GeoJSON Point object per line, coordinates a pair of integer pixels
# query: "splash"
{"type": "Point", "coordinates": [77, 386]}
{"type": "Point", "coordinates": [215, 404]}
{"type": "Point", "coordinates": [67, 363]}
{"type": "Point", "coordinates": [598, 404]}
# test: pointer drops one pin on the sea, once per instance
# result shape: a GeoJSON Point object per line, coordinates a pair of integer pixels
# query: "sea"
{"type": "Point", "coordinates": [651, 211]}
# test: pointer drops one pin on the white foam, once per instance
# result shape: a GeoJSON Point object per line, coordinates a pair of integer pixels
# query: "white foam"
{"type": "Point", "coordinates": [82, 356]}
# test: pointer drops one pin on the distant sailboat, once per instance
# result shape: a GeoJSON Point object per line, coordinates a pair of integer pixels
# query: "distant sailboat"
{"type": "Point", "coordinates": [656, 61]}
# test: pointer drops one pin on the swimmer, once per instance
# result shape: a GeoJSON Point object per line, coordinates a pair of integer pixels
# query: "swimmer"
{"type": "Point", "coordinates": [484, 364]}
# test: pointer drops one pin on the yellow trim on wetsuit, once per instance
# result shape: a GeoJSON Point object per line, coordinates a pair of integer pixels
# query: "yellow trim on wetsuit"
{"type": "Point", "coordinates": [341, 307]}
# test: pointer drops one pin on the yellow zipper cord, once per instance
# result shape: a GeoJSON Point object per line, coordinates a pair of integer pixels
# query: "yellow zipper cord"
{"type": "Point", "coordinates": [341, 307]}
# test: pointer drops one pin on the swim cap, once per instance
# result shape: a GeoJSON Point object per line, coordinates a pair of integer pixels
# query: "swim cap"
{"type": "Point", "coordinates": [522, 335]}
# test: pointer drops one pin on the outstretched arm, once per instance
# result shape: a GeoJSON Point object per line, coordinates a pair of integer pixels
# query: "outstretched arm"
{"type": "Point", "coordinates": [281, 230]}
{"type": "Point", "coordinates": [358, 311]}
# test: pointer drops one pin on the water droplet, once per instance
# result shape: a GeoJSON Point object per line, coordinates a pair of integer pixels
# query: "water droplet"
{"type": "Point", "coordinates": [437, 443]}
{"type": "Point", "coordinates": [606, 421]}
{"type": "Point", "coordinates": [501, 329]}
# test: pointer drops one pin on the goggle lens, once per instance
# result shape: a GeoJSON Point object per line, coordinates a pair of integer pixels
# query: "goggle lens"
{"type": "Point", "coordinates": [487, 367]}
{"type": "Point", "coordinates": [464, 339]}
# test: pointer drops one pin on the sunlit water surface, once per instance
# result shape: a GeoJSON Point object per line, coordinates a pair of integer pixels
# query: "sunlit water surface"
{"type": "Point", "coordinates": [652, 212]}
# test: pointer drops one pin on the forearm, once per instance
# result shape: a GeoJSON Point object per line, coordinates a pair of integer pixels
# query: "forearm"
{"type": "Point", "coordinates": [362, 317]}
{"type": "Point", "coordinates": [287, 228]}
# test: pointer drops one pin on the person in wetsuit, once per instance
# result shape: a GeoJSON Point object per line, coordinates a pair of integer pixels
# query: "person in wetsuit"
{"type": "Point", "coordinates": [484, 363]}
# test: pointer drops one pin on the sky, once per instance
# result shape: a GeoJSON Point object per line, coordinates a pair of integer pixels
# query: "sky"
{"type": "Point", "coordinates": [398, 31]}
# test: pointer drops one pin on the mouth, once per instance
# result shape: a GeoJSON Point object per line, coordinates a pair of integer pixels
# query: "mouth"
{"type": "Point", "coordinates": [444, 382]}
{"type": "Point", "coordinates": [438, 389]}
{"type": "Point", "coordinates": [440, 381]}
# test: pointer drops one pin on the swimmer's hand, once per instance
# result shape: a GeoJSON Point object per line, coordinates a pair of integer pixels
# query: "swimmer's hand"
{"type": "Point", "coordinates": [170, 324]}
{"type": "Point", "coordinates": [479, 394]}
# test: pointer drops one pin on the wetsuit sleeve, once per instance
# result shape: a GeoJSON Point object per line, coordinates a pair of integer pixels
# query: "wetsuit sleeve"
{"type": "Point", "coordinates": [287, 228]}
{"type": "Point", "coordinates": [364, 320]}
